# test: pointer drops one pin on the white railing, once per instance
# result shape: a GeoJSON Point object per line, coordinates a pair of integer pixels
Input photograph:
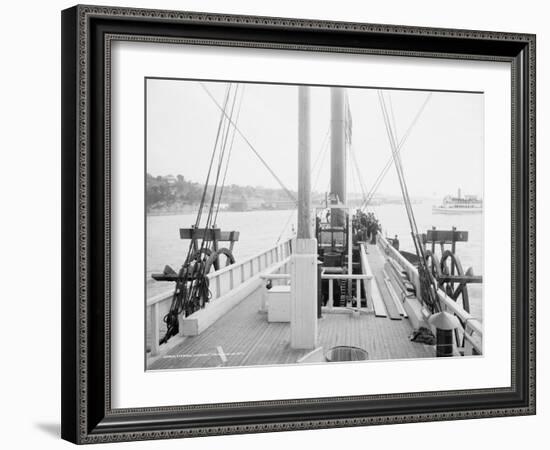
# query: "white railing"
{"type": "Point", "coordinates": [473, 330]}
{"type": "Point", "coordinates": [283, 277]}
{"type": "Point", "coordinates": [411, 270]}
{"type": "Point", "coordinates": [221, 283]}
{"type": "Point", "coordinates": [358, 277]}
{"type": "Point", "coordinates": [277, 275]}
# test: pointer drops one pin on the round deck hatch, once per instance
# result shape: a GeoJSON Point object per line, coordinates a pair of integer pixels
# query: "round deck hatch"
{"type": "Point", "coordinates": [346, 353]}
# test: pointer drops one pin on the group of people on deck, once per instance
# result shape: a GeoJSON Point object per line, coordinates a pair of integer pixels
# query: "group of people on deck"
{"type": "Point", "coordinates": [366, 227]}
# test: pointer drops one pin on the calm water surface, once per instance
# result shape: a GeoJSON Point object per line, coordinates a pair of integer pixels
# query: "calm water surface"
{"type": "Point", "coordinates": [260, 230]}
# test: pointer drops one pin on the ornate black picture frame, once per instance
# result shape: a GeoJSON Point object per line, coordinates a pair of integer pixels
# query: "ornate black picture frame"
{"type": "Point", "coordinates": [87, 34]}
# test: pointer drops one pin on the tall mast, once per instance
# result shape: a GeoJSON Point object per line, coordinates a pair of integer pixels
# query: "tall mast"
{"type": "Point", "coordinates": [338, 153]}
{"type": "Point", "coordinates": [304, 165]}
{"type": "Point", "coordinates": [303, 267]}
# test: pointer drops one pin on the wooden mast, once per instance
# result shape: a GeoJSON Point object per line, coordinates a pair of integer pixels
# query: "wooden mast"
{"type": "Point", "coordinates": [303, 309]}
{"type": "Point", "coordinates": [338, 165]}
{"type": "Point", "coordinates": [338, 154]}
{"type": "Point", "coordinates": [305, 230]}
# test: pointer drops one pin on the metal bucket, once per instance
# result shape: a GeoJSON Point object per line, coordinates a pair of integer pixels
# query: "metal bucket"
{"type": "Point", "coordinates": [332, 259]}
{"type": "Point", "coordinates": [346, 353]}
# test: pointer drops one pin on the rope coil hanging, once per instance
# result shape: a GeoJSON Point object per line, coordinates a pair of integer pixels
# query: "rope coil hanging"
{"type": "Point", "coordinates": [192, 289]}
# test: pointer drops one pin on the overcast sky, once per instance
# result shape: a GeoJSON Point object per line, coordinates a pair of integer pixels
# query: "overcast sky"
{"type": "Point", "coordinates": [443, 152]}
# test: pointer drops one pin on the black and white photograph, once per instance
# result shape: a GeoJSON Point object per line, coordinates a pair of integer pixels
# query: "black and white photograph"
{"type": "Point", "coordinates": [277, 222]}
{"type": "Point", "coordinates": [297, 224]}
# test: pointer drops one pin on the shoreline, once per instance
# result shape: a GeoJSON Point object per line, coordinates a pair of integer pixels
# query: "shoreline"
{"type": "Point", "coordinates": [194, 211]}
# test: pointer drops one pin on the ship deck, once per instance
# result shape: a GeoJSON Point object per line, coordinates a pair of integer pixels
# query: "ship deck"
{"type": "Point", "coordinates": [244, 337]}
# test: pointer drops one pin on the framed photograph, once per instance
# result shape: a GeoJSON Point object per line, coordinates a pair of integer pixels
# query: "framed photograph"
{"type": "Point", "coordinates": [283, 224]}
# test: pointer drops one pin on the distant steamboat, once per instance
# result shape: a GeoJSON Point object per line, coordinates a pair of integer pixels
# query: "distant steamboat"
{"type": "Point", "coordinates": [467, 204]}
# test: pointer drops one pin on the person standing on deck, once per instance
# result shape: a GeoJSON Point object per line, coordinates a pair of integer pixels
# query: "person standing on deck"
{"type": "Point", "coordinates": [395, 243]}
{"type": "Point", "coordinates": [374, 230]}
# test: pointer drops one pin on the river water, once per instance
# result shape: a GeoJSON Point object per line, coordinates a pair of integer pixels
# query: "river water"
{"type": "Point", "coordinates": [260, 230]}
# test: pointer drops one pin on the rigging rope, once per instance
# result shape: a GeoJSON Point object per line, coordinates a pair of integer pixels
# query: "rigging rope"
{"type": "Point", "coordinates": [322, 161]}
{"type": "Point", "coordinates": [320, 152]}
{"type": "Point", "coordinates": [220, 123]}
{"type": "Point", "coordinates": [392, 114]}
{"type": "Point", "coordinates": [229, 155]}
{"type": "Point", "coordinates": [192, 285]}
{"type": "Point", "coordinates": [200, 289]}
{"type": "Point", "coordinates": [285, 226]}
{"type": "Point", "coordinates": [427, 281]}
{"type": "Point", "coordinates": [358, 172]}
{"type": "Point", "coordinates": [249, 144]}
{"type": "Point", "coordinates": [389, 162]}
{"type": "Point", "coordinates": [319, 158]}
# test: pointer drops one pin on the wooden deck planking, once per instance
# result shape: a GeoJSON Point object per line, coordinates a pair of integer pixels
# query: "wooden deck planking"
{"type": "Point", "coordinates": [376, 262]}
{"type": "Point", "coordinates": [247, 339]}
{"type": "Point", "coordinates": [378, 304]}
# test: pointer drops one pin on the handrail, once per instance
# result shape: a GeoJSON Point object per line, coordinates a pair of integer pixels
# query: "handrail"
{"type": "Point", "coordinates": [340, 276]}
{"type": "Point", "coordinates": [471, 322]}
{"type": "Point", "coordinates": [404, 262]}
{"type": "Point", "coordinates": [280, 255]}
{"type": "Point", "coordinates": [275, 276]}
{"type": "Point", "coordinates": [162, 296]}
{"type": "Point", "coordinates": [247, 260]}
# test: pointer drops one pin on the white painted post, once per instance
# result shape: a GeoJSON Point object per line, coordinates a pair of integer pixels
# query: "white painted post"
{"type": "Point", "coordinates": [358, 293]}
{"type": "Point", "coordinates": [303, 303]}
{"type": "Point", "coordinates": [368, 291]}
{"type": "Point", "coordinates": [181, 317]}
{"type": "Point", "coordinates": [303, 314]}
{"type": "Point", "coordinates": [263, 301]}
{"type": "Point", "coordinates": [330, 302]}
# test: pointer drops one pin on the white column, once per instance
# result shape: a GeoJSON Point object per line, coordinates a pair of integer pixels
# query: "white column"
{"type": "Point", "coordinates": [303, 271]}
{"type": "Point", "coordinates": [303, 313]}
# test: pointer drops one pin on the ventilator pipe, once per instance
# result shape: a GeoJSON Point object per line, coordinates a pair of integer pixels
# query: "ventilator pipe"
{"type": "Point", "coordinates": [444, 324]}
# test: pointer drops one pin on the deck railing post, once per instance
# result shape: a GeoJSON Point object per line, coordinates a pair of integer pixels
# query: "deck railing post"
{"type": "Point", "coordinates": [368, 290]}
{"type": "Point", "coordinates": [330, 302]}
{"type": "Point", "coordinates": [218, 287]}
{"type": "Point", "coordinates": [358, 289]}
{"type": "Point", "coordinates": [155, 329]}
{"type": "Point", "coordinates": [263, 301]}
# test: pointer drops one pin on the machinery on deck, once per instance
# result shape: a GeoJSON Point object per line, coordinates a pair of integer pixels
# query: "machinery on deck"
{"type": "Point", "coordinates": [447, 268]}
{"type": "Point", "coordinates": [192, 291]}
